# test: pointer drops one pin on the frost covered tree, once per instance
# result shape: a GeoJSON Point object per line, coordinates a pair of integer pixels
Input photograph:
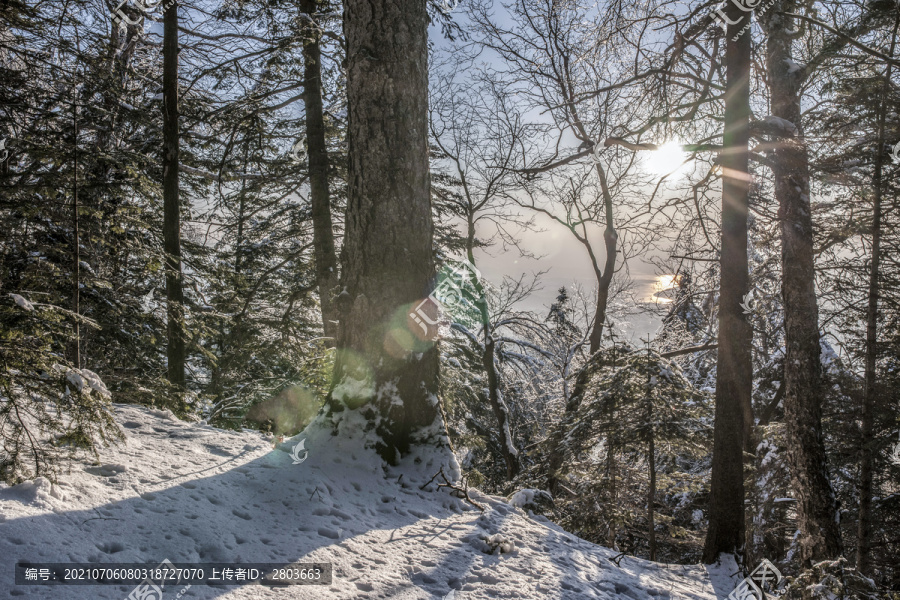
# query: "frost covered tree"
{"type": "Point", "coordinates": [818, 518]}
{"type": "Point", "coordinates": [49, 408]}
{"type": "Point", "coordinates": [473, 131]}
{"type": "Point", "coordinates": [635, 444]}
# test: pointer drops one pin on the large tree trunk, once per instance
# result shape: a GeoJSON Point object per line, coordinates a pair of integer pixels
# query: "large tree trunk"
{"type": "Point", "coordinates": [384, 361]}
{"type": "Point", "coordinates": [817, 514]}
{"type": "Point", "coordinates": [866, 458]}
{"type": "Point", "coordinates": [175, 351]}
{"type": "Point", "coordinates": [734, 368]}
{"type": "Point", "coordinates": [320, 198]}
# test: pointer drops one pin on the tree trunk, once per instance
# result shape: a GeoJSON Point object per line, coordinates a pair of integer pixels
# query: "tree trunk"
{"type": "Point", "coordinates": [734, 368]}
{"type": "Point", "coordinates": [604, 278]}
{"type": "Point", "coordinates": [75, 349]}
{"type": "Point", "coordinates": [651, 492]}
{"type": "Point", "coordinates": [611, 469]}
{"type": "Point", "coordinates": [171, 203]}
{"type": "Point", "coordinates": [817, 514]}
{"type": "Point", "coordinates": [488, 361]}
{"type": "Point", "coordinates": [320, 198]}
{"type": "Point", "coordinates": [866, 459]}
{"type": "Point", "coordinates": [384, 361]}
{"type": "Point", "coordinates": [501, 410]}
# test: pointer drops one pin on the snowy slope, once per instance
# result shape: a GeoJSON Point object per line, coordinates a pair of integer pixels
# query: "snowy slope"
{"type": "Point", "coordinates": [191, 493]}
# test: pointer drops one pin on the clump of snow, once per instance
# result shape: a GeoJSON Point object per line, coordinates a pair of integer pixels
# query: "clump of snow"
{"type": "Point", "coordinates": [498, 544]}
{"type": "Point", "coordinates": [75, 378]}
{"type": "Point", "coordinates": [187, 492]}
{"type": "Point", "coordinates": [164, 414]}
{"type": "Point", "coordinates": [793, 66]}
{"type": "Point", "coordinates": [40, 492]}
{"type": "Point", "coordinates": [95, 383]}
{"type": "Point", "coordinates": [785, 126]}
{"type": "Point", "coordinates": [81, 378]}
{"type": "Point", "coordinates": [530, 499]}
{"type": "Point", "coordinates": [22, 302]}
{"type": "Point", "coordinates": [351, 390]}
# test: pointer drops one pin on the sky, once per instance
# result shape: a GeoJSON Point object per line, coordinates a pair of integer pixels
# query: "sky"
{"type": "Point", "coordinates": [566, 263]}
{"type": "Point", "coordinates": [563, 259]}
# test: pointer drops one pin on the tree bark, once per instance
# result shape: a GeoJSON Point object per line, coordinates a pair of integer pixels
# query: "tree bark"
{"type": "Point", "coordinates": [385, 363]}
{"type": "Point", "coordinates": [320, 197]}
{"type": "Point", "coordinates": [866, 457]}
{"type": "Point", "coordinates": [817, 514]}
{"type": "Point", "coordinates": [501, 410]}
{"type": "Point", "coordinates": [734, 368]}
{"type": "Point", "coordinates": [651, 491]}
{"type": "Point", "coordinates": [175, 350]}
{"type": "Point", "coordinates": [75, 348]}
{"type": "Point", "coordinates": [604, 277]}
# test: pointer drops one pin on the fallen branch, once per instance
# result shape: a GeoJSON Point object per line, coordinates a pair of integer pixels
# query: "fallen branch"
{"type": "Point", "coordinates": [691, 350]}
{"type": "Point", "coordinates": [461, 492]}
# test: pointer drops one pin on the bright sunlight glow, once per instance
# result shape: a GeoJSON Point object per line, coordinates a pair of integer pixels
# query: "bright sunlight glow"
{"type": "Point", "coordinates": [667, 159]}
{"type": "Point", "coordinates": [666, 282]}
{"type": "Point", "coordinates": [663, 284]}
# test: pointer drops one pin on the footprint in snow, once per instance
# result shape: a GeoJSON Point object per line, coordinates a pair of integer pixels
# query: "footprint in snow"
{"type": "Point", "coordinates": [217, 451]}
{"type": "Point", "coordinates": [106, 470]}
{"type": "Point", "coordinates": [329, 533]}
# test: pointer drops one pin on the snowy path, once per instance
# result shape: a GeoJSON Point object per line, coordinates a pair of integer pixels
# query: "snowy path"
{"type": "Point", "coordinates": [191, 493]}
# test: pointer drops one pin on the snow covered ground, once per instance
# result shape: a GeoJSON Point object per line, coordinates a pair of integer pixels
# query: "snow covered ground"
{"type": "Point", "coordinates": [188, 492]}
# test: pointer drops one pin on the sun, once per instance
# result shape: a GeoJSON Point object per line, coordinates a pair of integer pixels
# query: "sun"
{"type": "Point", "coordinates": [662, 288]}
{"type": "Point", "coordinates": [668, 159]}
{"type": "Point", "coordinates": [666, 282]}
